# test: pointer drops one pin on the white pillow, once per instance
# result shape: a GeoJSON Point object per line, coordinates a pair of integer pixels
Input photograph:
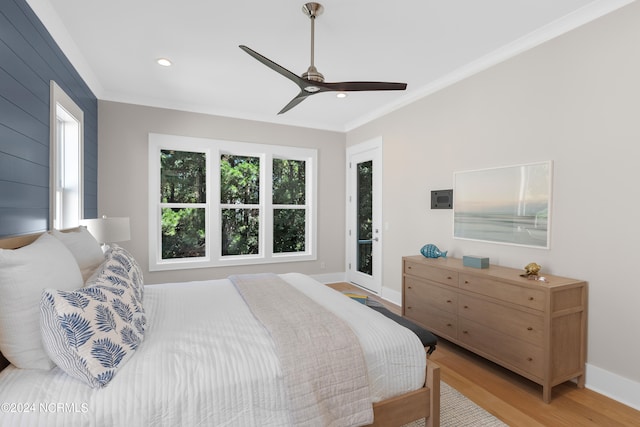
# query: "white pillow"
{"type": "Point", "coordinates": [24, 273]}
{"type": "Point", "coordinates": [90, 333]}
{"type": "Point", "coordinates": [84, 247]}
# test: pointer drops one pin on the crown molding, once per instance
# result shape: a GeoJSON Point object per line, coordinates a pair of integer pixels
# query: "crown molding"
{"type": "Point", "coordinates": [550, 31]}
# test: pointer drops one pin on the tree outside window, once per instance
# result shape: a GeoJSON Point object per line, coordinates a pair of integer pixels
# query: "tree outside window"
{"type": "Point", "coordinates": [240, 204]}
{"type": "Point", "coordinates": [183, 195]}
{"type": "Point", "coordinates": [289, 200]}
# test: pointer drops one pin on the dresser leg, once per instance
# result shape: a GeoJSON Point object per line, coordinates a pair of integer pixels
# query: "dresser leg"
{"type": "Point", "coordinates": [581, 381]}
{"type": "Point", "coordinates": [546, 393]}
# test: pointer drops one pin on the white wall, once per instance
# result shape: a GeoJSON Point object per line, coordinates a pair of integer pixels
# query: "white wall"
{"type": "Point", "coordinates": [123, 137]}
{"type": "Point", "coordinates": [574, 100]}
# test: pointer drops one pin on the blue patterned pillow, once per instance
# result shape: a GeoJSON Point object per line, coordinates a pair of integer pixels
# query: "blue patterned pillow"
{"type": "Point", "coordinates": [91, 332]}
{"type": "Point", "coordinates": [119, 264]}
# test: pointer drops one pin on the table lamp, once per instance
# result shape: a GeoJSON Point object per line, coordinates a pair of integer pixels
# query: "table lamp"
{"type": "Point", "coordinates": [108, 229]}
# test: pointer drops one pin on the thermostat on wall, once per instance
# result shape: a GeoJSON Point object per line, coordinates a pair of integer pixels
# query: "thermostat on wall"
{"type": "Point", "coordinates": [442, 199]}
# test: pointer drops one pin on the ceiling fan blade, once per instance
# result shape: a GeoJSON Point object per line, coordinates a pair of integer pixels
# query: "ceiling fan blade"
{"type": "Point", "coordinates": [362, 86]}
{"type": "Point", "coordinates": [275, 67]}
{"type": "Point", "coordinates": [295, 101]}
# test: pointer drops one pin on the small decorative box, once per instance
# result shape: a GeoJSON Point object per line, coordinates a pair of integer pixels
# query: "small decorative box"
{"type": "Point", "coordinates": [475, 261]}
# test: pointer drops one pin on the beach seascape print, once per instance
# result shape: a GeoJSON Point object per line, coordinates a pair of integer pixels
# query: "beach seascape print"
{"type": "Point", "coordinates": [509, 205]}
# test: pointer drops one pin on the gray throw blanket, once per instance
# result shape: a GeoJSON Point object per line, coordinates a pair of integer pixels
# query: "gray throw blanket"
{"type": "Point", "coordinates": [321, 359]}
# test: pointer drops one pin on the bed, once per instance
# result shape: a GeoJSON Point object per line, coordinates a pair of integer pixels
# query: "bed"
{"type": "Point", "coordinates": [207, 359]}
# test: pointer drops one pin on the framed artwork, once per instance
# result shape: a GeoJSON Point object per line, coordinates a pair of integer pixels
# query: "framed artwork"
{"type": "Point", "coordinates": [509, 205]}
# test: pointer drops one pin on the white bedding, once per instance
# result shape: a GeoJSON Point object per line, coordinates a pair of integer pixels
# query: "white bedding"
{"type": "Point", "coordinates": [206, 361]}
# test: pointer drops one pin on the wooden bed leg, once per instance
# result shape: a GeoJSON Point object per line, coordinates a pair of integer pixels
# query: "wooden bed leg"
{"type": "Point", "coordinates": [433, 382]}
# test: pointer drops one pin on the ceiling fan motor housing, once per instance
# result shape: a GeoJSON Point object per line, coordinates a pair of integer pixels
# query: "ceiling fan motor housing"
{"type": "Point", "coordinates": [313, 75]}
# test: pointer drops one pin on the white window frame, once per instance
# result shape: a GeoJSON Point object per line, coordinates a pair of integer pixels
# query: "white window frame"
{"type": "Point", "coordinates": [66, 160]}
{"type": "Point", "coordinates": [213, 150]}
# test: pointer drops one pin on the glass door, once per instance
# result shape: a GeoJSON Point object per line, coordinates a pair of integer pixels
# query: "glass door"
{"type": "Point", "coordinates": [364, 217]}
{"type": "Point", "coordinates": [364, 239]}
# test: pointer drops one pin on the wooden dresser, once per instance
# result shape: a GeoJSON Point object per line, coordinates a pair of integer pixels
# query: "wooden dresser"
{"type": "Point", "coordinates": [536, 329]}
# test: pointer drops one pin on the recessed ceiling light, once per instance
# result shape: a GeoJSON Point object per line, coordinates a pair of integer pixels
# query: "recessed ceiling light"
{"type": "Point", "coordinates": [164, 62]}
{"type": "Point", "coordinates": [341, 95]}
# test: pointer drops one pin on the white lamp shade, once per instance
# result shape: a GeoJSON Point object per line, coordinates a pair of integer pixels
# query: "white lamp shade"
{"type": "Point", "coordinates": [108, 230]}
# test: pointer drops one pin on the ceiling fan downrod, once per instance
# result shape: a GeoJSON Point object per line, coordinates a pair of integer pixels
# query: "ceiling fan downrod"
{"type": "Point", "coordinates": [312, 10]}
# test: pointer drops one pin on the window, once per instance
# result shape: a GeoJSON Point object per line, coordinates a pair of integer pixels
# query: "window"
{"type": "Point", "coordinates": [289, 206]}
{"type": "Point", "coordinates": [183, 193]}
{"type": "Point", "coordinates": [216, 203]}
{"type": "Point", "coordinates": [239, 205]}
{"type": "Point", "coordinates": [66, 160]}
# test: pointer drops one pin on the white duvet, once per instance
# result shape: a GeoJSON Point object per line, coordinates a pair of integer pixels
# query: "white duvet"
{"type": "Point", "coordinates": [206, 361]}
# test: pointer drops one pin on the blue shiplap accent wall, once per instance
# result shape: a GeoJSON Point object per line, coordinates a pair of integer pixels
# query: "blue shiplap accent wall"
{"type": "Point", "coordinates": [29, 59]}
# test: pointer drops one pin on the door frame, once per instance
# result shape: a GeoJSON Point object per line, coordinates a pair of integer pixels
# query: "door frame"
{"type": "Point", "coordinates": [372, 283]}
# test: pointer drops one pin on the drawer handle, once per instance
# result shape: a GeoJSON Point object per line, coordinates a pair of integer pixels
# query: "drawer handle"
{"type": "Point", "coordinates": [409, 308]}
{"type": "Point", "coordinates": [530, 298]}
{"type": "Point", "coordinates": [466, 306]}
{"type": "Point", "coordinates": [449, 277]}
{"type": "Point", "coordinates": [529, 328]}
{"type": "Point", "coordinates": [466, 282]}
{"type": "Point", "coordinates": [530, 359]}
{"type": "Point", "coordinates": [409, 267]}
{"type": "Point", "coordinates": [448, 301]}
{"type": "Point", "coordinates": [465, 332]}
{"type": "Point", "coordinates": [449, 324]}
{"type": "Point", "coordinates": [409, 287]}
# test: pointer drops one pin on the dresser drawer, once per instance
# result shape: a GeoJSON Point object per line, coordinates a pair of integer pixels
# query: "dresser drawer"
{"type": "Point", "coordinates": [504, 349]}
{"type": "Point", "coordinates": [424, 294]}
{"type": "Point", "coordinates": [527, 297]}
{"type": "Point", "coordinates": [436, 274]}
{"type": "Point", "coordinates": [515, 323]}
{"type": "Point", "coordinates": [437, 321]}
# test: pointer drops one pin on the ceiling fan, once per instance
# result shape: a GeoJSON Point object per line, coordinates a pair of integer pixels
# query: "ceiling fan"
{"type": "Point", "coordinates": [312, 81]}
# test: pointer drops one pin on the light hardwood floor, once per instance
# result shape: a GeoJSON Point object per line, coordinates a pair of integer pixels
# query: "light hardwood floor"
{"type": "Point", "coordinates": [516, 400]}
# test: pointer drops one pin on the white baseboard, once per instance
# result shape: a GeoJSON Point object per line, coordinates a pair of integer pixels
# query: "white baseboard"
{"type": "Point", "coordinates": [330, 277]}
{"type": "Point", "coordinates": [612, 385]}
{"type": "Point", "coordinates": [392, 296]}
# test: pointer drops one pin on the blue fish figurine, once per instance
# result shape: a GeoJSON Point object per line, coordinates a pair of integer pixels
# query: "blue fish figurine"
{"type": "Point", "coordinates": [432, 251]}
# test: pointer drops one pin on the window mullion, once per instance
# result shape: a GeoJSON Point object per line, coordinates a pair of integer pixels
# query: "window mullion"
{"type": "Point", "coordinates": [215, 234]}
{"type": "Point", "coordinates": [310, 201]}
{"type": "Point", "coordinates": [267, 203]}
{"type": "Point", "coordinates": [209, 192]}
{"type": "Point", "coordinates": [238, 206]}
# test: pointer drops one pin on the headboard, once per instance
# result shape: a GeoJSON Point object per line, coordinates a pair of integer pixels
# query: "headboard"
{"type": "Point", "coordinates": [15, 242]}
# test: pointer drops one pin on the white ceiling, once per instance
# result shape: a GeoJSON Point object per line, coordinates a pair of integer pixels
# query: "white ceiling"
{"type": "Point", "coordinates": [427, 44]}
